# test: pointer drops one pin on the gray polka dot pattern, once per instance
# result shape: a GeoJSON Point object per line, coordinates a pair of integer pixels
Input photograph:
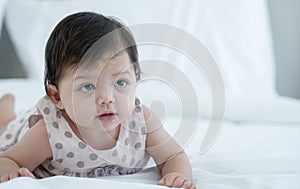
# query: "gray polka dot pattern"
{"type": "Point", "coordinates": [137, 109]}
{"type": "Point", "coordinates": [68, 134]}
{"type": "Point", "coordinates": [21, 121]}
{"type": "Point", "coordinates": [81, 145]}
{"type": "Point", "coordinates": [126, 141]}
{"type": "Point", "coordinates": [8, 136]}
{"type": "Point", "coordinates": [70, 155]}
{"type": "Point", "coordinates": [138, 145]}
{"type": "Point", "coordinates": [75, 158]}
{"type": "Point", "coordinates": [137, 164]}
{"type": "Point", "coordinates": [131, 162]}
{"type": "Point", "coordinates": [143, 130]}
{"type": "Point", "coordinates": [58, 114]}
{"type": "Point", "coordinates": [59, 160]}
{"type": "Point", "coordinates": [46, 110]}
{"type": "Point", "coordinates": [93, 157]}
{"type": "Point", "coordinates": [115, 153]}
{"type": "Point", "coordinates": [80, 164]}
{"type": "Point", "coordinates": [55, 125]}
{"type": "Point", "coordinates": [132, 124]}
{"type": "Point", "coordinates": [59, 146]}
{"type": "Point", "coordinates": [137, 101]}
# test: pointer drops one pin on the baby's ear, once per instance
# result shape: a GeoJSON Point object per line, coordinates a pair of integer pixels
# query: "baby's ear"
{"type": "Point", "coordinates": [53, 94]}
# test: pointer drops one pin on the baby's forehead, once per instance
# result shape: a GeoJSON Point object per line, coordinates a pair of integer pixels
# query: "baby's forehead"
{"type": "Point", "coordinates": [112, 64]}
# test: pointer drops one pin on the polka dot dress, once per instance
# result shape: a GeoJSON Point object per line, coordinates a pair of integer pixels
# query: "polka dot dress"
{"type": "Point", "coordinates": [15, 130]}
{"type": "Point", "coordinates": [73, 157]}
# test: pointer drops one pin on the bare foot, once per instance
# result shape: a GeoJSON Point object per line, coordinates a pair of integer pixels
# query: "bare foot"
{"type": "Point", "coordinates": [7, 113]}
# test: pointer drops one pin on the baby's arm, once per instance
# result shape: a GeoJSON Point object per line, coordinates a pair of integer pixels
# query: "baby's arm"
{"type": "Point", "coordinates": [22, 158]}
{"type": "Point", "coordinates": [170, 158]}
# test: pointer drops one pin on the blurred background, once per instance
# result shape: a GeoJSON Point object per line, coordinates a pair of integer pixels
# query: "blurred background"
{"type": "Point", "coordinates": [283, 19]}
{"type": "Point", "coordinates": [285, 23]}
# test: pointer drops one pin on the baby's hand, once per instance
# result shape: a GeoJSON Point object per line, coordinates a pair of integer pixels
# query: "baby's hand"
{"type": "Point", "coordinates": [23, 172]}
{"type": "Point", "coordinates": [176, 180]}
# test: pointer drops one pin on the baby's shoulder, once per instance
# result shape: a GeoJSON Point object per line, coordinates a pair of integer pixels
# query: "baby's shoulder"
{"type": "Point", "coordinates": [152, 121]}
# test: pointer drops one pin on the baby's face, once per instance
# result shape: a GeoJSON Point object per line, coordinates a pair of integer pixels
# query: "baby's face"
{"type": "Point", "coordinates": [101, 96]}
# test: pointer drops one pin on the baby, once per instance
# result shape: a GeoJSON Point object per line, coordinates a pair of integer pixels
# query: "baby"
{"type": "Point", "coordinates": [90, 123]}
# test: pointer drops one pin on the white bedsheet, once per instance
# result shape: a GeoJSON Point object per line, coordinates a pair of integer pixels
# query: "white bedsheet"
{"type": "Point", "coordinates": [246, 155]}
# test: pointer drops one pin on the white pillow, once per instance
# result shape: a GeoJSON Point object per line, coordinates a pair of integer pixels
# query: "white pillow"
{"type": "Point", "coordinates": [249, 108]}
{"type": "Point", "coordinates": [237, 33]}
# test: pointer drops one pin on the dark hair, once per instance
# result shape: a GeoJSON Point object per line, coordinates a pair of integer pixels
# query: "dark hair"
{"type": "Point", "coordinates": [75, 35]}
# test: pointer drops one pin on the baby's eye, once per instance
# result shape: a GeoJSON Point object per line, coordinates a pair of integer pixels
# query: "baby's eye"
{"type": "Point", "coordinates": [87, 88]}
{"type": "Point", "coordinates": [120, 83]}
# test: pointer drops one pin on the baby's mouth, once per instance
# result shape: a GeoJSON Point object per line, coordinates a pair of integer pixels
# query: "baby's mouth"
{"type": "Point", "coordinates": [108, 116]}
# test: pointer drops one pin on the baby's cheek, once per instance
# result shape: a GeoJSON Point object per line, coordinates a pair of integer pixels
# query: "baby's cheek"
{"type": "Point", "coordinates": [83, 111]}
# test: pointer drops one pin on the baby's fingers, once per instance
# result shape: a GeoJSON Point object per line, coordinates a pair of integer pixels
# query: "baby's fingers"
{"type": "Point", "coordinates": [13, 175]}
{"type": "Point", "coordinates": [10, 176]}
{"type": "Point", "coordinates": [167, 180]}
{"type": "Point", "coordinates": [4, 178]}
{"type": "Point", "coordinates": [178, 182]}
{"type": "Point", "coordinates": [161, 182]}
{"type": "Point", "coordinates": [188, 185]}
{"type": "Point", "coordinates": [24, 172]}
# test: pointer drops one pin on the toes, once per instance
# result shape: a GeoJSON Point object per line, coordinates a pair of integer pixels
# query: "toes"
{"type": "Point", "coordinates": [7, 109]}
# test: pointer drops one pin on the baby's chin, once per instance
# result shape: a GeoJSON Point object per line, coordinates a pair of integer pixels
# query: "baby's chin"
{"type": "Point", "coordinates": [99, 127]}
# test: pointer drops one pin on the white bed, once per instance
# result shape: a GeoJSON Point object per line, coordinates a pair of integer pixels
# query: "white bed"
{"type": "Point", "coordinates": [247, 154]}
{"type": "Point", "coordinates": [258, 142]}
{"type": "Point", "coordinates": [270, 160]}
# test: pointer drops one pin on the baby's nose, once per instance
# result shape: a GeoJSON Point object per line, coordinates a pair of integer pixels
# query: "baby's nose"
{"type": "Point", "coordinates": [104, 100]}
{"type": "Point", "coordinates": [104, 95]}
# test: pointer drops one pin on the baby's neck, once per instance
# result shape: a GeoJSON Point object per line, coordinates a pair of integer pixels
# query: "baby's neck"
{"type": "Point", "coordinates": [101, 140]}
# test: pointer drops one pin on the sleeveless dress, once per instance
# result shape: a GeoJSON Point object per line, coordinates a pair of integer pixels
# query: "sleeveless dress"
{"type": "Point", "coordinates": [73, 157]}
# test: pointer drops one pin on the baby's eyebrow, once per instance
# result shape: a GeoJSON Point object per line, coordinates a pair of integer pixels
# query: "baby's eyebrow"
{"type": "Point", "coordinates": [121, 73]}
{"type": "Point", "coordinates": [84, 77]}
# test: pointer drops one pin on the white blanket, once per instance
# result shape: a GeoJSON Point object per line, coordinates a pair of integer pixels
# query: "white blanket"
{"type": "Point", "coordinates": [246, 155]}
